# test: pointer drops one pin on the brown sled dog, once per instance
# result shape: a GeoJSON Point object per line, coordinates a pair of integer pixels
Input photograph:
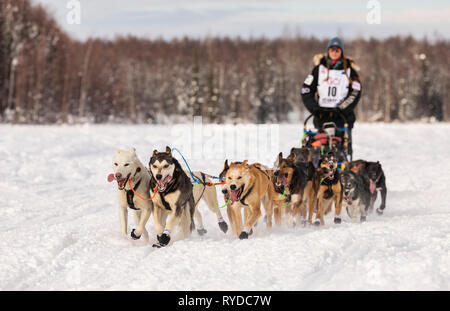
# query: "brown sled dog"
{"type": "Point", "coordinates": [246, 187]}
{"type": "Point", "coordinates": [295, 179]}
{"type": "Point", "coordinates": [328, 188]}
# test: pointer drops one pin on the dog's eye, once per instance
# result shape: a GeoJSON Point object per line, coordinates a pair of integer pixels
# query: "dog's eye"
{"type": "Point", "coordinates": [127, 164]}
{"type": "Point", "coordinates": [115, 164]}
{"type": "Point", "coordinates": [229, 178]}
{"type": "Point", "coordinates": [239, 177]}
{"type": "Point", "coordinates": [154, 166]}
{"type": "Point", "coordinates": [166, 166]}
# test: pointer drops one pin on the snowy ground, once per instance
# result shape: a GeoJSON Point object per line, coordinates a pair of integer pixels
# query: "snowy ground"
{"type": "Point", "coordinates": [59, 224]}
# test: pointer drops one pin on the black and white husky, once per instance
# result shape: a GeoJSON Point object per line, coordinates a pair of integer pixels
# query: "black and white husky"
{"type": "Point", "coordinates": [356, 195]}
{"type": "Point", "coordinates": [173, 203]}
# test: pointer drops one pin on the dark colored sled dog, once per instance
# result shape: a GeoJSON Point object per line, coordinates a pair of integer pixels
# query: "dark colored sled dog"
{"type": "Point", "coordinates": [356, 195]}
{"type": "Point", "coordinates": [295, 178]}
{"type": "Point", "coordinates": [174, 197]}
{"type": "Point", "coordinates": [373, 174]}
{"type": "Point", "coordinates": [327, 185]}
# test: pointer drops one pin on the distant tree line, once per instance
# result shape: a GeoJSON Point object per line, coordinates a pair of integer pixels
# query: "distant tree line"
{"type": "Point", "coordinates": [48, 77]}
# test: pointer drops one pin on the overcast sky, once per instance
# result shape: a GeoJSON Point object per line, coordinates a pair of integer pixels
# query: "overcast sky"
{"type": "Point", "coordinates": [269, 18]}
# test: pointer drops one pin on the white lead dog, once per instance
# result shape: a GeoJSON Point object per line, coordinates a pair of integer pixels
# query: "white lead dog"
{"type": "Point", "coordinates": [129, 169]}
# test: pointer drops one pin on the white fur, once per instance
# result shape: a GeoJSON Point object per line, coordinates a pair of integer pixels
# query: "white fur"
{"type": "Point", "coordinates": [120, 161]}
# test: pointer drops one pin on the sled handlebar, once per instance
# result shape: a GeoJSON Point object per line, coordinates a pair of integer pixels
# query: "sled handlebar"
{"type": "Point", "coordinates": [325, 110]}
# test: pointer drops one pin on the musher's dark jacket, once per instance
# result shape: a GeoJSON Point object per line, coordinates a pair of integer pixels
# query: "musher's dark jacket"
{"type": "Point", "coordinates": [310, 94]}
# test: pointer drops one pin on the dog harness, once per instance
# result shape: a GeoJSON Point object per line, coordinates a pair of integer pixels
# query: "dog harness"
{"type": "Point", "coordinates": [242, 200]}
{"type": "Point", "coordinates": [130, 196]}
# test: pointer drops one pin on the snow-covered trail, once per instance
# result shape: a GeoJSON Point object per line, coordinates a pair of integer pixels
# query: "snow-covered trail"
{"type": "Point", "coordinates": [59, 224]}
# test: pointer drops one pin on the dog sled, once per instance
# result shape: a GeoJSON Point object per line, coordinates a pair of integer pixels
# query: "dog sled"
{"type": "Point", "coordinates": [329, 138]}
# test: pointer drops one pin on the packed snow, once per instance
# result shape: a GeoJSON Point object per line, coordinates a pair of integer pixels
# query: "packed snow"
{"type": "Point", "coordinates": [59, 220]}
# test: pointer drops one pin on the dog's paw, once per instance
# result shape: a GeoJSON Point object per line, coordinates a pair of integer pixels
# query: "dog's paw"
{"type": "Point", "coordinates": [303, 222]}
{"type": "Point", "coordinates": [163, 239]}
{"type": "Point", "coordinates": [201, 231]}
{"type": "Point", "coordinates": [379, 211]}
{"type": "Point", "coordinates": [363, 219]}
{"type": "Point", "coordinates": [337, 220]}
{"type": "Point", "coordinates": [243, 235]}
{"type": "Point", "coordinates": [134, 236]}
{"type": "Point", "coordinates": [223, 226]}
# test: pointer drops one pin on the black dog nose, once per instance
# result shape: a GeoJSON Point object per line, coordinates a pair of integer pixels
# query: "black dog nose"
{"type": "Point", "coordinates": [233, 187]}
{"type": "Point", "coordinates": [346, 192]}
{"type": "Point", "coordinates": [158, 176]}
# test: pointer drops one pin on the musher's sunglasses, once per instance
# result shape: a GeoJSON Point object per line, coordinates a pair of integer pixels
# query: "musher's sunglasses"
{"type": "Point", "coordinates": [334, 49]}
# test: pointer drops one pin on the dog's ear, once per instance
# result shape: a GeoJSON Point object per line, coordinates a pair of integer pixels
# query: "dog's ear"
{"type": "Point", "coordinates": [155, 152]}
{"type": "Point", "coordinates": [245, 163]}
{"type": "Point", "coordinates": [226, 166]}
{"type": "Point", "coordinates": [280, 157]}
{"type": "Point", "coordinates": [133, 150]}
{"type": "Point", "coordinates": [292, 157]}
{"type": "Point", "coordinates": [168, 150]}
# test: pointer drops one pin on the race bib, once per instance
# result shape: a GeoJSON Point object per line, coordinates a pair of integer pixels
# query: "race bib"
{"type": "Point", "coordinates": [334, 90]}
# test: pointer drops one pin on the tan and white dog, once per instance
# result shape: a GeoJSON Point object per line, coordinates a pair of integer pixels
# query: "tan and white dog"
{"type": "Point", "coordinates": [129, 169]}
{"type": "Point", "coordinates": [246, 187]}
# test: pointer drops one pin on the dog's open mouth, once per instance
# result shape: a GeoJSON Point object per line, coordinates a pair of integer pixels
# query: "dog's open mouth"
{"type": "Point", "coordinates": [281, 181]}
{"type": "Point", "coordinates": [121, 183]}
{"type": "Point", "coordinates": [329, 174]}
{"type": "Point", "coordinates": [348, 198]}
{"type": "Point", "coordinates": [235, 195]}
{"type": "Point", "coordinates": [226, 194]}
{"type": "Point", "coordinates": [373, 186]}
{"type": "Point", "coordinates": [162, 184]}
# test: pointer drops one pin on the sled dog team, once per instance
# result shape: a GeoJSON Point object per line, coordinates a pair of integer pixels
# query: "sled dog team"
{"type": "Point", "coordinates": [292, 191]}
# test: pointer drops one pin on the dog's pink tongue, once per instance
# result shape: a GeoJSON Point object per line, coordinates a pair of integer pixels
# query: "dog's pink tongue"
{"type": "Point", "coordinates": [111, 178]}
{"type": "Point", "coordinates": [282, 180]}
{"type": "Point", "coordinates": [234, 195]}
{"type": "Point", "coordinates": [373, 185]}
{"type": "Point", "coordinates": [164, 181]}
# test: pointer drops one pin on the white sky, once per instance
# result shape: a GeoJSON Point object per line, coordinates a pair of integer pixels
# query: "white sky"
{"type": "Point", "coordinates": [269, 18]}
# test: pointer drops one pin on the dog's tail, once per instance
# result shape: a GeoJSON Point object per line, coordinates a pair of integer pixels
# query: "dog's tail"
{"type": "Point", "coordinates": [192, 210]}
